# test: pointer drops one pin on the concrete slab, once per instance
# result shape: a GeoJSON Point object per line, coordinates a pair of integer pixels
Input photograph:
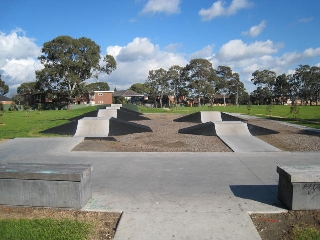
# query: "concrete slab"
{"type": "Point", "coordinates": [92, 127]}
{"type": "Point", "coordinates": [215, 189]}
{"type": "Point", "coordinates": [107, 113]}
{"type": "Point", "coordinates": [237, 136]}
{"type": "Point", "coordinates": [210, 116]}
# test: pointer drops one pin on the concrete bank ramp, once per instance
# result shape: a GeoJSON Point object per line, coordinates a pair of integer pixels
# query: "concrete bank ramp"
{"type": "Point", "coordinates": [92, 127]}
{"type": "Point", "coordinates": [201, 117]}
{"type": "Point", "coordinates": [107, 113]}
{"type": "Point", "coordinates": [237, 136]}
{"type": "Point", "coordinates": [96, 127]}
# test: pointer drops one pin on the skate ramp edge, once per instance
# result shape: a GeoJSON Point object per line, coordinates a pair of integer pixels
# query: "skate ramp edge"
{"type": "Point", "coordinates": [92, 127]}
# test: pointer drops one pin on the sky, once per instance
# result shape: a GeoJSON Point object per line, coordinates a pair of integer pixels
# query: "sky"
{"type": "Point", "coordinates": [144, 35]}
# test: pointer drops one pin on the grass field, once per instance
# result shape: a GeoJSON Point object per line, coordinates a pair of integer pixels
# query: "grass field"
{"type": "Point", "coordinates": [30, 124]}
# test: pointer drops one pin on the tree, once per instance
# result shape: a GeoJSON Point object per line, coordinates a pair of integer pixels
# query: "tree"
{"type": "Point", "coordinates": [176, 82]}
{"type": "Point", "coordinates": [4, 88]}
{"type": "Point", "coordinates": [237, 90]}
{"type": "Point", "coordinates": [265, 81]}
{"type": "Point", "coordinates": [281, 88]}
{"type": "Point", "coordinates": [139, 88]}
{"type": "Point", "coordinates": [198, 73]}
{"type": "Point", "coordinates": [27, 87]}
{"type": "Point", "coordinates": [69, 62]}
{"type": "Point", "coordinates": [157, 81]}
{"type": "Point", "coordinates": [97, 86]}
{"type": "Point", "coordinates": [224, 75]}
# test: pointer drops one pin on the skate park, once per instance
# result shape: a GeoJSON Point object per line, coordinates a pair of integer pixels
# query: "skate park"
{"type": "Point", "coordinates": [174, 195]}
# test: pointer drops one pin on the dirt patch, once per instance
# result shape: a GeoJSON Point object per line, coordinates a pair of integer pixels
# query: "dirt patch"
{"type": "Point", "coordinates": [280, 225]}
{"type": "Point", "coordinates": [104, 223]}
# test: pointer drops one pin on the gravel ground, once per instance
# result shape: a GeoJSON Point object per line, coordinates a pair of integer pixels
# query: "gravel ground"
{"type": "Point", "coordinates": [165, 137]}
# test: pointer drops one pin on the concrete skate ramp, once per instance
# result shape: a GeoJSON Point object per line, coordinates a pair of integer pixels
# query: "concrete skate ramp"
{"type": "Point", "coordinates": [200, 117]}
{"type": "Point", "coordinates": [206, 129]}
{"type": "Point", "coordinates": [92, 127]}
{"type": "Point", "coordinates": [129, 116]}
{"type": "Point", "coordinates": [112, 108]}
{"type": "Point", "coordinates": [210, 116]}
{"type": "Point", "coordinates": [237, 136]}
{"type": "Point", "coordinates": [107, 113]}
{"type": "Point", "coordinates": [120, 127]}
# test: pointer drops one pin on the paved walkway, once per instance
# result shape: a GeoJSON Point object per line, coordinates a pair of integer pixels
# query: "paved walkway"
{"type": "Point", "coordinates": [172, 195]}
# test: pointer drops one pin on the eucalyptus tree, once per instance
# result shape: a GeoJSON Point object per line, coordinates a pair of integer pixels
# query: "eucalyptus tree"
{"type": "Point", "coordinates": [224, 75]}
{"type": "Point", "coordinates": [237, 89]}
{"type": "Point", "coordinates": [157, 82]}
{"type": "Point", "coordinates": [281, 88]}
{"type": "Point", "coordinates": [68, 62]}
{"type": "Point", "coordinates": [176, 82]}
{"type": "Point", "coordinates": [265, 81]}
{"type": "Point", "coordinates": [198, 74]}
{"type": "Point", "coordinates": [4, 88]}
{"type": "Point", "coordinates": [308, 78]}
{"type": "Point", "coordinates": [27, 87]}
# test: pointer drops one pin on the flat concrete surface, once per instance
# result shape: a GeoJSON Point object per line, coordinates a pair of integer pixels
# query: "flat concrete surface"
{"type": "Point", "coordinates": [172, 195]}
{"type": "Point", "coordinates": [236, 135]}
{"type": "Point", "coordinates": [107, 113]}
{"type": "Point", "coordinates": [210, 116]}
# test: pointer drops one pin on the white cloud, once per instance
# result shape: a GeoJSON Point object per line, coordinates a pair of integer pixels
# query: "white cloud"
{"type": "Point", "coordinates": [255, 30]}
{"type": "Point", "coordinates": [236, 50]}
{"type": "Point", "coordinates": [173, 47]}
{"type": "Point", "coordinates": [159, 6]}
{"type": "Point", "coordinates": [136, 59]}
{"type": "Point", "coordinates": [205, 52]}
{"type": "Point", "coordinates": [305, 20]}
{"type": "Point", "coordinates": [18, 58]}
{"type": "Point", "coordinates": [217, 9]}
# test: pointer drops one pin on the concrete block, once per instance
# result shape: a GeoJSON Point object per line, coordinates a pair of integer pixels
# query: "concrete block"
{"type": "Point", "coordinates": [299, 187]}
{"type": "Point", "coordinates": [93, 127]}
{"type": "Point", "coordinates": [45, 185]}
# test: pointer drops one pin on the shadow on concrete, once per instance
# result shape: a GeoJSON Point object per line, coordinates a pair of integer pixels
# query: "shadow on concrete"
{"type": "Point", "coordinates": [205, 129]}
{"type": "Point", "coordinates": [119, 127]}
{"type": "Point", "coordinates": [267, 194]}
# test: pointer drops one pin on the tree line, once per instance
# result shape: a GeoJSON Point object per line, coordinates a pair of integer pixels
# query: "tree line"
{"type": "Point", "coordinates": [69, 62]}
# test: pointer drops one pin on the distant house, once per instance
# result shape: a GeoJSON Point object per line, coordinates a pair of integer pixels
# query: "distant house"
{"type": "Point", "coordinates": [129, 95]}
{"type": "Point", "coordinates": [101, 97]}
{"type": "Point", "coordinates": [5, 100]}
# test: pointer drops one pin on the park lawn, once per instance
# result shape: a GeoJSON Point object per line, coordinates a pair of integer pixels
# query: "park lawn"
{"type": "Point", "coordinates": [15, 124]}
{"type": "Point", "coordinates": [44, 229]}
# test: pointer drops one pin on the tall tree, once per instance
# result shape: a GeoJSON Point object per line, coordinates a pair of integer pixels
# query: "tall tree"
{"type": "Point", "coordinates": [27, 87]}
{"type": "Point", "coordinates": [68, 62]}
{"type": "Point", "coordinates": [4, 88]}
{"type": "Point", "coordinates": [237, 89]}
{"type": "Point", "coordinates": [157, 81]}
{"type": "Point", "coordinates": [198, 73]}
{"type": "Point", "coordinates": [265, 81]}
{"type": "Point", "coordinates": [224, 74]}
{"type": "Point", "coordinates": [281, 88]}
{"type": "Point", "coordinates": [139, 88]}
{"type": "Point", "coordinates": [176, 82]}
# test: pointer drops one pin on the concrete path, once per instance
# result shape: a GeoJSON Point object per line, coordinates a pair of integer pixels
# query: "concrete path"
{"type": "Point", "coordinates": [172, 195]}
{"type": "Point", "coordinates": [236, 135]}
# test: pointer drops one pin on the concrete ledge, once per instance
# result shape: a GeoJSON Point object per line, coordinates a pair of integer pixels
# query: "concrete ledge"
{"type": "Point", "coordinates": [299, 187]}
{"type": "Point", "coordinates": [45, 185]}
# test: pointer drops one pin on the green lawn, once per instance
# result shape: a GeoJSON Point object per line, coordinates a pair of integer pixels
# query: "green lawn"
{"type": "Point", "coordinates": [44, 229]}
{"type": "Point", "coordinates": [29, 124]}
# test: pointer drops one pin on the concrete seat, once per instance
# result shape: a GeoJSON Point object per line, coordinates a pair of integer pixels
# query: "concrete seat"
{"type": "Point", "coordinates": [299, 187]}
{"type": "Point", "coordinates": [45, 185]}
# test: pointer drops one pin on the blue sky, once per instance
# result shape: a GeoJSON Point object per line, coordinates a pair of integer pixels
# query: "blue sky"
{"type": "Point", "coordinates": [144, 35]}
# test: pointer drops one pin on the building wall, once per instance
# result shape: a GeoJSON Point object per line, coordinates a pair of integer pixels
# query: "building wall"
{"type": "Point", "coordinates": [103, 97]}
